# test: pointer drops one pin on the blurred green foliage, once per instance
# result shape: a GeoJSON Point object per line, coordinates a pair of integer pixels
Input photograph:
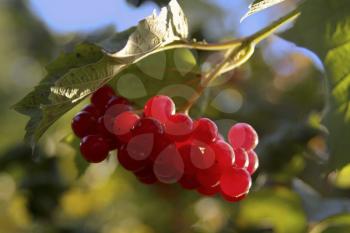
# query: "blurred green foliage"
{"type": "Point", "coordinates": [54, 190]}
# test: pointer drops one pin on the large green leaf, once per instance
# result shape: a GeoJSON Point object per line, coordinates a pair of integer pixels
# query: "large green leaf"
{"type": "Point", "coordinates": [278, 209]}
{"type": "Point", "coordinates": [324, 28]}
{"type": "Point", "coordinates": [73, 76]}
{"type": "Point", "coordinates": [334, 224]}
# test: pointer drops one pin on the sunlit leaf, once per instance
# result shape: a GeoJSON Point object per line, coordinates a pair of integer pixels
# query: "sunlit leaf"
{"type": "Point", "coordinates": [259, 5]}
{"type": "Point", "coordinates": [324, 28]}
{"type": "Point", "coordinates": [335, 224]}
{"type": "Point", "coordinates": [278, 208]}
{"type": "Point", "coordinates": [73, 76]}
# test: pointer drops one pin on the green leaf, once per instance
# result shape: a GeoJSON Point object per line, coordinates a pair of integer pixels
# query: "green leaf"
{"type": "Point", "coordinates": [259, 5]}
{"type": "Point", "coordinates": [324, 28]}
{"type": "Point", "coordinates": [276, 208]}
{"type": "Point", "coordinates": [73, 76]}
{"type": "Point", "coordinates": [334, 224]}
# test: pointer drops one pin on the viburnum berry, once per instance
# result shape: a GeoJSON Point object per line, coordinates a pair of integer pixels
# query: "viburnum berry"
{"type": "Point", "coordinates": [169, 165]}
{"type": "Point", "coordinates": [90, 108]}
{"type": "Point", "coordinates": [188, 179]}
{"type": "Point", "coordinates": [94, 148]}
{"type": "Point", "coordinates": [100, 127]}
{"type": "Point", "coordinates": [209, 191]}
{"type": "Point", "coordinates": [202, 155]}
{"type": "Point", "coordinates": [233, 199]}
{"type": "Point", "coordinates": [159, 145]}
{"type": "Point", "coordinates": [253, 163]}
{"type": "Point", "coordinates": [117, 100]}
{"type": "Point", "coordinates": [101, 97]}
{"type": "Point", "coordinates": [242, 135]}
{"type": "Point", "coordinates": [146, 175]}
{"type": "Point", "coordinates": [241, 158]}
{"type": "Point", "coordinates": [159, 107]}
{"type": "Point", "coordinates": [83, 124]}
{"type": "Point", "coordinates": [205, 130]}
{"type": "Point", "coordinates": [225, 155]}
{"type": "Point", "coordinates": [123, 124]}
{"type": "Point", "coordinates": [128, 162]}
{"type": "Point", "coordinates": [235, 182]}
{"type": "Point", "coordinates": [112, 112]}
{"type": "Point", "coordinates": [179, 127]}
{"type": "Point", "coordinates": [147, 125]}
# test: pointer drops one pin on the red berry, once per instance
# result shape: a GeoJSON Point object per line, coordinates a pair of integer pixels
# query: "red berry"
{"type": "Point", "coordinates": [253, 162]}
{"type": "Point", "coordinates": [117, 100]}
{"type": "Point", "coordinates": [179, 127]}
{"type": "Point", "coordinates": [90, 108]}
{"type": "Point", "coordinates": [205, 130]}
{"type": "Point", "coordinates": [242, 135]}
{"type": "Point", "coordinates": [209, 191]}
{"type": "Point", "coordinates": [188, 180]}
{"type": "Point", "coordinates": [94, 148]}
{"type": "Point", "coordinates": [225, 155]}
{"type": "Point", "coordinates": [129, 163]}
{"type": "Point", "coordinates": [123, 124]}
{"type": "Point", "coordinates": [160, 107]}
{"type": "Point", "coordinates": [152, 179]}
{"type": "Point", "coordinates": [101, 128]}
{"type": "Point", "coordinates": [224, 158]}
{"type": "Point", "coordinates": [111, 113]}
{"type": "Point", "coordinates": [235, 181]}
{"type": "Point", "coordinates": [84, 124]}
{"type": "Point", "coordinates": [101, 97]}
{"type": "Point", "coordinates": [147, 125]}
{"type": "Point", "coordinates": [146, 175]}
{"type": "Point", "coordinates": [233, 199]}
{"type": "Point", "coordinates": [210, 176]}
{"type": "Point", "coordinates": [241, 158]}
{"type": "Point", "coordinates": [202, 155]}
{"type": "Point", "coordinates": [169, 166]}
{"type": "Point", "coordinates": [144, 172]}
{"type": "Point", "coordinates": [140, 146]}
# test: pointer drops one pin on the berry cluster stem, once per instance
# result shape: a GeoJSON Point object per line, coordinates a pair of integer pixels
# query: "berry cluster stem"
{"type": "Point", "coordinates": [237, 53]}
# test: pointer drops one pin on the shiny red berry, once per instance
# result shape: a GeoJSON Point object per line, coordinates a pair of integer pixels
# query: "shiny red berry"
{"type": "Point", "coordinates": [117, 100]}
{"type": "Point", "coordinates": [179, 127]}
{"type": "Point", "coordinates": [90, 108]}
{"type": "Point", "coordinates": [94, 148]}
{"type": "Point", "coordinates": [147, 125]}
{"type": "Point", "coordinates": [209, 191]}
{"type": "Point", "coordinates": [189, 179]}
{"type": "Point", "coordinates": [235, 182]}
{"type": "Point", "coordinates": [253, 163]}
{"type": "Point", "coordinates": [123, 124]}
{"type": "Point", "coordinates": [233, 199]}
{"type": "Point", "coordinates": [205, 130]}
{"type": "Point", "coordinates": [160, 107]}
{"type": "Point", "coordinates": [129, 163]}
{"type": "Point", "coordinates": [169, 165]}
{"type": "Point", "coordinates": [202, 155]}
{"type": "Point", "coordinates": [101, 97]}
{"type": "Point", "coordinates": [241, 158]}
{"type": "Point", "coordinates": [83, 124]}
{"type": "Point", "coordinates": [242, 135]}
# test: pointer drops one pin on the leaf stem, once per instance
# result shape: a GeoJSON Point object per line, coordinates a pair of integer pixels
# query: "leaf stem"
{"type": "Point", "coordinates": [233, 56]}
{"type": "Point", "coordinates": [265, 32]}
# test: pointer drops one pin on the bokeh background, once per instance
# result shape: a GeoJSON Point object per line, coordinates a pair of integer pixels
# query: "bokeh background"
{"type": "Point", "coordinates": [280, 91]}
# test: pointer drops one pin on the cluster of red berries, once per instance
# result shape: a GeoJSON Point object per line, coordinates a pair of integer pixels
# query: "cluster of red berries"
{"type": "Point", "coordinates": [159, 145]}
